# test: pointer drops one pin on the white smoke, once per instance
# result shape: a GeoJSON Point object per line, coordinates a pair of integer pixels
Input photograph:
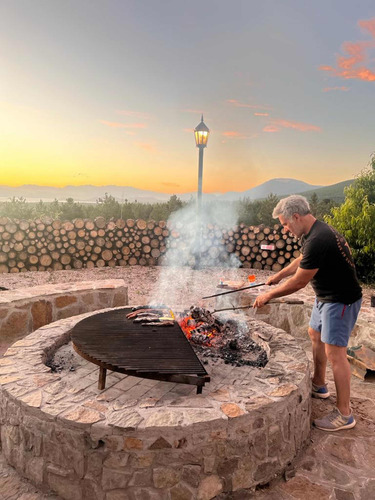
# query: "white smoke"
{"type": "Point", "coordinates": [195, 243]}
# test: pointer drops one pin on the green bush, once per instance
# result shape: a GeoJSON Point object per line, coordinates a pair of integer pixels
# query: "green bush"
{"type": "Point", "coordinates": [355, 219]}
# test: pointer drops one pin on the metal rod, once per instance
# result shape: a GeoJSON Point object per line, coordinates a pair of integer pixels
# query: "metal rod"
{"type": "Point", "coordinates": [233, 291]}
{"type": "Point", "coordinates": [231, 308]}
{"type": "Point", "coordinates": [272, 301]}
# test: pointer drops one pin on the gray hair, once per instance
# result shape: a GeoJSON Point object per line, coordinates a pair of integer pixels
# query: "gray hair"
{"type": "Point", "coordinates": [294, 204]}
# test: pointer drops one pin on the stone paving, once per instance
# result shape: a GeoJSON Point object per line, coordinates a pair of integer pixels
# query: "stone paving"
{"type": "Point", "coordinates": [338, 466]}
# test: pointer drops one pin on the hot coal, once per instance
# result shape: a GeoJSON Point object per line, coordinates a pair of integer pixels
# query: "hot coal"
{"type": "Point", "coordinates": [218, 338]}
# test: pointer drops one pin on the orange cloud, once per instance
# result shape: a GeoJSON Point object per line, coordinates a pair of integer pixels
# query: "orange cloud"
{"type": "Point", "coordinates": [260, 114]}
{"type": "Point", "coordinates": [232, 134]}
{"type": "Point", "coordinates": [137, 114]}
{"type": "Point", "coordinates": [276, 125]}
{"type": "Point", "coordinates": [353, 64]}
{"type": "Point", "coordinates": [329, 89]}
{"type": "Point", "coordinates": [270, 128]}
{"type": "Point", "coordinates": [123, 125]}
{"type": "Point", "coordinates": [369, 26]}
{"type": "Point", "coordinates": [239, 104]}
{"type": "Point", "coordinates": [147, 146]}
{"type": "Point", "coordinates": [190, 130]}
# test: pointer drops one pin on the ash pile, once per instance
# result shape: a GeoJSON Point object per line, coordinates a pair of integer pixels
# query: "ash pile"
{"type": "Point", "coordinates": [221, 338]}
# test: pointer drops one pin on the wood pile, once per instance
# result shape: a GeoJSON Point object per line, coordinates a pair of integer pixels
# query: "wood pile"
{"type": "Point", "coordinates": [47, 244]}
{"type": "Point", "coordinates": [258, 247]}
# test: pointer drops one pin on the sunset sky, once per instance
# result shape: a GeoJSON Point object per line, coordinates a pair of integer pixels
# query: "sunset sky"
{"type": "Point", "coordinates": [109, 92]}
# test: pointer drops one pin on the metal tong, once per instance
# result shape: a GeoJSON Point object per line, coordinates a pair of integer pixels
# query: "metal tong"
{"type": "Point", "coordinates": [233, 291]}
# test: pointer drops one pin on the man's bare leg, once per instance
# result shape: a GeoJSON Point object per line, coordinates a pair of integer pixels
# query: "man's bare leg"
{"type": "Point", "coordinates": [341, 374]}
{"type": "Point", "coordinates": [319, 356]}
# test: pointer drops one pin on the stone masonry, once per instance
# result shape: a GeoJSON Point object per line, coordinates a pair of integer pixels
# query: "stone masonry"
{"type": "Point", "coordinates": [141, 438]}
{"type": "Point", "coordinates": [24, 310]}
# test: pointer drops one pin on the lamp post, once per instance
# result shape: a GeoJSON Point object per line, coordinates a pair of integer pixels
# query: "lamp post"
{"type": "Point", "coordinates": [201, 133]}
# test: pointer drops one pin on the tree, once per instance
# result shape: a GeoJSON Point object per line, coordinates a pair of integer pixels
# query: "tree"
{"type": "Point", "coordinates": [174, 203]}
{"type": "Point", "coordinates": [71, 210]}
{"type": "Point", "coordinates": [108, 207]}
{"type": "Point", "coordinates": [314, 204]}
{"type": "Point", "coordinates": [17, 208]}
{"type": "Point", "coordinates": [266, 209]}
{"type": "Point", "coordinates": [355, 219]}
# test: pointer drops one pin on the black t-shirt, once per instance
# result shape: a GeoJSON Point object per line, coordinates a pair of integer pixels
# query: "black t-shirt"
{"type": "Point", "coordinates": [325, 249]}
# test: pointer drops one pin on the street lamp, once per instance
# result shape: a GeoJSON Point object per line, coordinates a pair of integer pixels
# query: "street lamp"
{"type": "Point", "coordinates": [201, 133]}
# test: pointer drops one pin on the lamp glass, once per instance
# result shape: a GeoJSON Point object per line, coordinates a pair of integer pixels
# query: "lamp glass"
{"type": "Point", "coordinates": [201, 138]}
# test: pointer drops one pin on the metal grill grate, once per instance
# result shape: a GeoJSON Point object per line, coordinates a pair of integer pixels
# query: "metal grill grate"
{"type": "Point", "coordinates": [114, 342]}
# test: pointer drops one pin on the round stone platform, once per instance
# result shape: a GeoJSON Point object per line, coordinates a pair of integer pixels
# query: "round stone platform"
{"type": "Point", "coordinates": [143, 437]}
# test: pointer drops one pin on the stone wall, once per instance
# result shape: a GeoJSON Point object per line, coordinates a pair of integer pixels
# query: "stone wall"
{"type": "Point", "coordinates": [26, 309]}
{"type": "Point", "coordinates": [143, 439]}
{"type": "Point", "coordinates": [294, 318]}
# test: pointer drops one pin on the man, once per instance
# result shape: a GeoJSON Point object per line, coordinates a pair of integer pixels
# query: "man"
{"type": "Point", "coordinates": [326, 261]}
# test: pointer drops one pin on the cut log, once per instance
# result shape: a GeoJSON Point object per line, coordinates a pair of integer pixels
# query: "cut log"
{"type": "Point", "coordinates": [107, 255]}
{"type": "Point", "coordinates": [100, 222]}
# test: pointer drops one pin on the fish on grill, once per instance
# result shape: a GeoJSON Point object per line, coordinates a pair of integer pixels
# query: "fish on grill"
{"type": "Point", "coordinates": [146, 319]}
{"type": "Point", "coordinates": [150, 306]}
{"type": "Point", "coordinates": [140, 312]}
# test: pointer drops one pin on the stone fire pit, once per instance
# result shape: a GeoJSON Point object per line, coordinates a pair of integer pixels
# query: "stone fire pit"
{"type": "Point", "coordinates": [140, 438]}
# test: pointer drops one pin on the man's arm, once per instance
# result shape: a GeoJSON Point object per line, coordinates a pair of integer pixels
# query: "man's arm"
{"type": "Point", "coordinates": [287, 271]}
{"type": "Point", "coordinates": [298, 281]}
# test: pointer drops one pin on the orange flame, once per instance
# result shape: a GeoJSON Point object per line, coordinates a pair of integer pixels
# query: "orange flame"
{"type": "Point", "coordinates": [189, 329]}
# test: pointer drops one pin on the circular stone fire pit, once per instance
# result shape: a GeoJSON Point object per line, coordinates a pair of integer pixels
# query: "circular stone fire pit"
{"type": "Point", "coordinates": [143, 438]}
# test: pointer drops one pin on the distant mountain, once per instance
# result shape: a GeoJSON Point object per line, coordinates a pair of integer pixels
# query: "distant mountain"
{"type": "Point", "coordinates": [279, 187]}
{"type": "Point", "coordinates": [90, 194]}
{"type": "Point", "coordinates": [334, 192]}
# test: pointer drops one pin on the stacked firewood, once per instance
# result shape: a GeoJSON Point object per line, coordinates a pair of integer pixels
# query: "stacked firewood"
{"type": "Point", "coordinates": [47, 244]}
{"type": "Point", "coordinates": [258, 247]}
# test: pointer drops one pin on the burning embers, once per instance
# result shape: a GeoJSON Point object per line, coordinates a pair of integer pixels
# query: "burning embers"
{"type": "Point", "coordinates": [211, 337]}
{"type": "Point", "coordinates": [228, 339]}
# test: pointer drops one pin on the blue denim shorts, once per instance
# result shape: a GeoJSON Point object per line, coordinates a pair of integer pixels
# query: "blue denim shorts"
{"type": "Point", "coordinates": [334, 321]}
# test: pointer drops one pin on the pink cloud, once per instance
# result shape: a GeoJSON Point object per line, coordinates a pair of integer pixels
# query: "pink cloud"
{"type": "Point", "coordinates": [353, 63]}
{"type": "Point", "coordinates": [190, 130]}
{"type": "Point", "coordinates": [137, 114]}
{"type": "Point", "coordinates": [329, 89]}
{"type": "Point", "coordinates": [233, 134]}
{"type": "Point", "coordinates": [260, 114]}
{"type": "Point", "coordinates": [368, 25]}
{"type": "Point", "coordinates": [277, 125]}
{"type": "Point", "coordinates": [123, 125]}
{"type": "Point", "coordinates": [270, 128]}
{"type": "Point", "coordinates": [239, 104]}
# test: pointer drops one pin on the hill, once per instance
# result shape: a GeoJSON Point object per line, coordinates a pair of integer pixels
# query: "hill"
{"type": "Point", "coordinates": [90, 194]}
{"type": "Point", "coordinates": [333, 192]}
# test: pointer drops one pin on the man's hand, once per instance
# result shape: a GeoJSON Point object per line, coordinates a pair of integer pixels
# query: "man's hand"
{"type": "Point", "coordinates": [262, 300]}
{"type": "Point", "coordinates": [273, 280]}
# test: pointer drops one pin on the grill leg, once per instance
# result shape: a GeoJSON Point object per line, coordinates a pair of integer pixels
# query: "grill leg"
{"type": "Point", "coordinates": [102, 377]}
{"type": "Point", "coordinates": [199, 389]}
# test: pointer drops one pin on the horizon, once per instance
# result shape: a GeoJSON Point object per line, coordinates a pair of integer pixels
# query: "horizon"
{"type": "Point", "coordinates": [119, 98]}
{"type": "Point", "coordinates": [162, 192]}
